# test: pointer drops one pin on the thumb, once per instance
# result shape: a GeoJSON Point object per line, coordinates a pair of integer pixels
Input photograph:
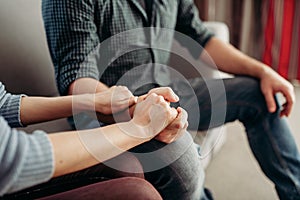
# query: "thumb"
{"type": "Point", "coordinates": [166, 92]}
{"type": "Point", "coordinates": [269, 97]}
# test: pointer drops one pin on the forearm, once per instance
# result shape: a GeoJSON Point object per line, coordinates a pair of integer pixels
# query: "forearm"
{"type": "Point", "coordinates": [86, 148]}
{"type": "Point", "coordinates": [228, 59]}
{"type": "Point", "coordinates": [41, 109]}
{"type": "Point", "coordinates": [86, 85]}
{"type": "Point", "coordinates": [89, 85]}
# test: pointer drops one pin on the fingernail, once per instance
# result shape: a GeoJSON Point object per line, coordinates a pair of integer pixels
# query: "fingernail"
{"type": "Point", "coordinates": [176, 97]}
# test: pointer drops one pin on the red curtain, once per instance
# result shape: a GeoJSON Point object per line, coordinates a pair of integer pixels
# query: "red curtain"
{"type": "Point", "coordinates": [281, 37]}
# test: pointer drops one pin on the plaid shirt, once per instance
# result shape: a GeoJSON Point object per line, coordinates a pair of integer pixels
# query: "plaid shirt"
{"type": "Point", "coordinates": [75, 28]}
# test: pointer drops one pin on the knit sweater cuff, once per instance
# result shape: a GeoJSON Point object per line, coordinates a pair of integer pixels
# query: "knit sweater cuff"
{"type": "Point", "coordinates": [11, 110]}
{"type": "Point", "coordinates": [38, 163]}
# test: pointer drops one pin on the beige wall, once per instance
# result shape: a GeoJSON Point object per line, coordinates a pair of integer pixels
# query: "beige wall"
{"type": "Point", "coordinates": [25, 64]}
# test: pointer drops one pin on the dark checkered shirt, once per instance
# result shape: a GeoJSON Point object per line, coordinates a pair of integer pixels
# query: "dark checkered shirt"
{"type": "Point", "coordinates": [75, 28]}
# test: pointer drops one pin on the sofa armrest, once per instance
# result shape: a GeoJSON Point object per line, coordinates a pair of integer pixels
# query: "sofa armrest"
{"type": "Point", "coordinates": [221, 32]}
{"type": "Point", "coordinates": [220, 29]}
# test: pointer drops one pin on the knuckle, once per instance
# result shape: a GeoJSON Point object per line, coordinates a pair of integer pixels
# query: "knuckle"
{"type": "Point", "coordinates": [123, 88]}
{"type": "Point", "coordinates": [151, 91]}
{"type": "Point", "coordinates": [161, 99]}
{"type": "Point", "coordinates": [169, 89]}
{"type": "Point", "coordinates": [140, 99]}
{"type": "Point", "coordinates": [184, 114]}
{"type": "Point", "coordinates": [169, 114]}
{"type": "Point", "coordinates": [178, 125]}
{"type": "Point", "coordinates": [153, 96]}
{"type": "Point", "coordinates": [170, 141]}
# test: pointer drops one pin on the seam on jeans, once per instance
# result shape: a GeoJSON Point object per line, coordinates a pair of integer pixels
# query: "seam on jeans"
{"type": "Point", "coordinates": [207, 106]}
{"type": "Point", "coordinates": [279, 157]}
{"type": "Point", "coordinates": [275, 148]}
{"type": "Point", "coordinates": [178, 175]}
{"type": "Point", "coordinates": [233, 103]}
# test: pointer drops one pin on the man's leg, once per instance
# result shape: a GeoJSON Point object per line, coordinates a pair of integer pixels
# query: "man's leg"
{"type": "Point", "coordinates": [269, 136]}
{"type": "Point", "coordinates": [175, 169]}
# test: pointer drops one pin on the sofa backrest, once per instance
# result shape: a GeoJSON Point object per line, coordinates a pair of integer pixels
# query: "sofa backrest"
{"type": "Point", "coordinates": [25, 64]}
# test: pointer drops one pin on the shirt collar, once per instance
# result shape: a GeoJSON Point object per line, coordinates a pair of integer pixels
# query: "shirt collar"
{"type": "Point", "coordinates": [140, 8]}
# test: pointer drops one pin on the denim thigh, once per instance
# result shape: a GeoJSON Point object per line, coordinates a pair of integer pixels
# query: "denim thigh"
{"type": "Point", "coordinates": [269, 136]}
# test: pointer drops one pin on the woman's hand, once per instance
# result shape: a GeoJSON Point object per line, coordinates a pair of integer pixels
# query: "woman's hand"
{"type": "Point", "coordinates": [176, 129]}
{"type": "Point", "coordinates": [151, 115]}
{"type": "Point", "coordinates": [179, 125]}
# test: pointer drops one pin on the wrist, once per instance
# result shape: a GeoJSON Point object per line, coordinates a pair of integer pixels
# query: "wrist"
{"type": "Point", "coordinates": [83, 102]}
{"type": "Point", "coordinates": [135, 131]}
{"type": "Point", "coordinates": [264, 71]}
{"type": "Point", "coordinates": [261, 70]}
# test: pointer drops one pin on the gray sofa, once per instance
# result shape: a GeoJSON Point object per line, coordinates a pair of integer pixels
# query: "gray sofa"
{"type": "Point", "coordinates": [25, 64]}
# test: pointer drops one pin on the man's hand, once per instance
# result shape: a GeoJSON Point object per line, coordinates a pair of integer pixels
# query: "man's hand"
{"type": "Point", "coordinates": [271, 83]}
{"type": "Point", "coordinates": [176, 129]}
{"type": "Point", "coordinates": [229, 59]}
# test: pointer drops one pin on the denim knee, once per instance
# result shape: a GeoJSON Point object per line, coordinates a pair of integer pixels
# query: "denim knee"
{"type": "Point", "coordinates": [175, 169]}
{"type": "Point", "coordinates": [244, 96]}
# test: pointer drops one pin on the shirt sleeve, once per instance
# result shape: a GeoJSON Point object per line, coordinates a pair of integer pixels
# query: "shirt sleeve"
{"type": "Point", "coordinates": [26, 160]}
{"type": "Point", "coordinates": [72, 39]}
{"type": "Point", "coordinates": [10, 107]}
{"type": "Point", "coordinates": [189, 24]}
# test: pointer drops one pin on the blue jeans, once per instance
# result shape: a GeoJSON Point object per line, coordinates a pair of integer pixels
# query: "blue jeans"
{"type": "Point", "coordinates": [269, 136]}
{"type": "Point", "coordinates": [219, 102]}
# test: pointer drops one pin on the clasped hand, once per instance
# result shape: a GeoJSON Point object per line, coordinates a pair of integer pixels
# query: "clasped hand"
{"type": "Point", "coordinates": [162, 122]}
{"type": "Point", "coordinates": [152, 112]}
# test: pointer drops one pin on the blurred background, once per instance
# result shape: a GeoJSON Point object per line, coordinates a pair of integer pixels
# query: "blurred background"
{"type": "Point", "coordinates": [265, 29]}
{"type": "Point", "coordinates": [269, 31]}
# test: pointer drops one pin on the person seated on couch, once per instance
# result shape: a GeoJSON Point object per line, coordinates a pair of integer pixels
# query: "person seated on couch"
{"type": "Point", "coordinates": [135, 40]}
{"type": "Point", "coordinates": [31, 159]}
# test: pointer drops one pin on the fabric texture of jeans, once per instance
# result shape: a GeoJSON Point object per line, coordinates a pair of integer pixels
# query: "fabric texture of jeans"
{"type": "Point", "coordinates": [269, 136]}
